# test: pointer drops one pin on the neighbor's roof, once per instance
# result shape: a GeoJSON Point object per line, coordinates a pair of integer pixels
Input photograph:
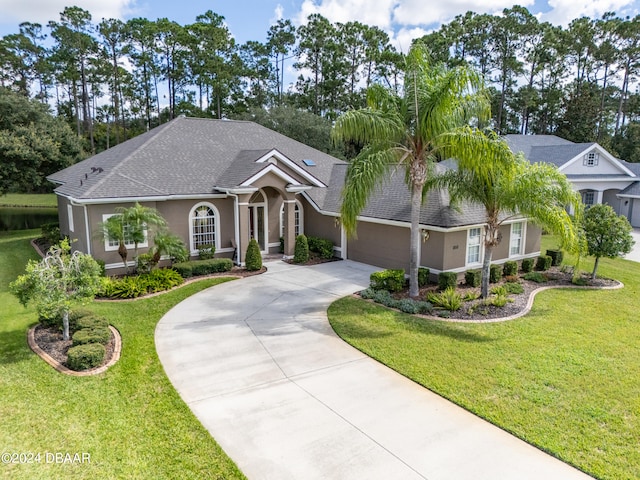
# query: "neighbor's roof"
{"type": "Point", "coordinates": [546, 148]}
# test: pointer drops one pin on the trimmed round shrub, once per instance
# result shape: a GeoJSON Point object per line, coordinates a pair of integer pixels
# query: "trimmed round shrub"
{"type": "Point", "coordinates": [301, 251]}
{"type": "Point", "coordinates": [83, 357]}
{"type": "Point", "coordinates": [527, 265]}
{"type": "Point", "coordinates": [321, 246]}
{"type": "Point", "coordinates": [390, 280]}
{"type": "Point", "coordinates": [447, 280]}
{"type": "Point", "coordinates": [556, 257]}
{"type": "Point", "coordinates": [423, 276]}
{"type": "Point", "coordinates": [184, 269]}
{"type": "Point", "coordinates": [495, 273]}
{"type": "Point", "coordinates": [90, 321]}
{"type": "Point", "coordinates": [92, 335]}
{"type": "Point", "coordinates": [367, 293]}
{"type": "Point", "coordinates": [253, 258]}
{"type": "Point", "coordinates": [543, 263]}
{"type": "Point", "coordinates": [473, 278]}
{"type": "Point", "coordinates": [510, 268]}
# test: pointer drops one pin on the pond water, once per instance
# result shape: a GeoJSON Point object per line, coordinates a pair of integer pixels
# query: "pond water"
{"type": "Point", "coordinates": [23, 218]}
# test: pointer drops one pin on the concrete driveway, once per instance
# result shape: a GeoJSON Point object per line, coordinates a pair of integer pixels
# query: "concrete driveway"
{"type": "Point", "coordinates": [259, 365]}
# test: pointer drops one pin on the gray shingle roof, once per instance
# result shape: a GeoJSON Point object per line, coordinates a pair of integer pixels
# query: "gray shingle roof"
{"type": "Point", "coordinates": [193, 156]}
{"type": "Point", "coordinates": [187, 156]}
{"type": "Point", "coordinates": [546, 148]}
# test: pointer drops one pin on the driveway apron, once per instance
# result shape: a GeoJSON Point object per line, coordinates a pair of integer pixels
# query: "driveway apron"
{"type": "Point", "coordinates": [258, 363]}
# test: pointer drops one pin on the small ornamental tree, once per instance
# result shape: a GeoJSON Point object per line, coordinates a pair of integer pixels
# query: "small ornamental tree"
{"type": "Point", "coordinates": [253, 258]}
{"type": "Point", "coordinates": [606, 233]}
{"type": "Point", "coordinates": [57, 281]}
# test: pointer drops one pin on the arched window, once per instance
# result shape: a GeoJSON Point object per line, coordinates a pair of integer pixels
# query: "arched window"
{"type": "Point", "coordinates": [203, 225]}
{"type": "Point", "coordinates": [298, 219]}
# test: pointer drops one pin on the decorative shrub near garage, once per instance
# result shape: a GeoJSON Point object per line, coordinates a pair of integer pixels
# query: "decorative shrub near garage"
{"type": "Point", "coordinates": [202, 267]}
{"type": "Point", "coordinates": [423, 276]}
{"type": "Point", "coordinates": [155, 281]}
{"type": "Point", "coordinates": [83, 357]}
{"type": "Point", "coordinates": [322, 246]}
{"type": "Point", "coordinates": [389, 280]}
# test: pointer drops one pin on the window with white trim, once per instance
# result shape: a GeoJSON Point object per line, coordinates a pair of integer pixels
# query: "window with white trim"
{"type": "Point", "coordinates": [473, 245]}
{"type": "Point", "coordinates": [591, 159]}
{"type": "Point", "coordinates": [517, 234]}
{"type": "Point", "coordinates": [588, 198]}
{"type": "Point", "coordinates": [298, 219]}
{"type": "Point", "coordinates": [203, 220]}
{"type": "Point", "coordinates": [111, 244]}
{"type": "Point", "coordinates": [70, 217]}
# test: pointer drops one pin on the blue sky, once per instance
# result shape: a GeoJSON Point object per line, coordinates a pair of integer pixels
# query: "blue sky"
{"type": "Point", "coordinates": [250, 19]}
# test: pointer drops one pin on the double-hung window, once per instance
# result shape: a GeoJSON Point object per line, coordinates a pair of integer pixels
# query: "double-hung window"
{"type": "Point", "coordinates": [113, 242]}
{"type": "Point", "coordinates": [517, 234]}
{"type": "Point", "coordinates": [473, 245]}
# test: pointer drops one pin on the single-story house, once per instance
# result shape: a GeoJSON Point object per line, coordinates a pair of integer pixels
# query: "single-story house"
{"type": "Point", "coordinates": [594, 172]}
{"type": "Point", "coordinates": [224, 182]}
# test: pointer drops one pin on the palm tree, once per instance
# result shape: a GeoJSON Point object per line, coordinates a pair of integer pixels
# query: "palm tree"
{"type": "Point", "coordinates": [138, 220]}
{"type": "Point", "coordinates": [408, 132]}
{"type": "Point", "coordinates": [508, 188]}
{"type": "Point", "coordinates": [113, 229]}
{"type": "Point", "coordinates": [165, 243]}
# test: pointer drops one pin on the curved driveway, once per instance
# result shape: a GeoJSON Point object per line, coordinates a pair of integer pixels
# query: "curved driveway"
{"type": "Point", "coordinates": [259, 365]}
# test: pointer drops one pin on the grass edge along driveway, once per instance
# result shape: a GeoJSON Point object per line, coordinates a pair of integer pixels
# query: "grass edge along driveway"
{"type": "Point", "coordinates": [565, 378]}
{"type": "Point", "coordinates": [129, 420]}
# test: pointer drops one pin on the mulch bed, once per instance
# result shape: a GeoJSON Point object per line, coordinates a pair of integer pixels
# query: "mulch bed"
{"type": "Point", "coordinates": [474, 311]}
{"type": "Point", "coordinates": [49, 339]}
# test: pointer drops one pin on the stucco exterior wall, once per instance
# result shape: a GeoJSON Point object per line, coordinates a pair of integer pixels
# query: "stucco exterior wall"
{"type": "Point", "coordinates": [318, 225]}
{"type": "Point", "coordinates": [533, 238]}
{"type": "Point", "coordinates": [432, 251]}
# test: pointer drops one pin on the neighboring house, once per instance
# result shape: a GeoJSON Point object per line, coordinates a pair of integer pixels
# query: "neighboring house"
{"type": "Point", "coordinates": [224, 182]}
{"type": "Point", "coordinates": [594, 172]}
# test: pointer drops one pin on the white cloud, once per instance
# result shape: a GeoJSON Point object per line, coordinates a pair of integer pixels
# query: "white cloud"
{"type": "Point", "coordinates": [41, 11]}
{"type": "Point", "coordinates": [402, 38]}
{"type": "Point", "coordinates": [370, 12]}
{"type": "Point", "coordinates": [564, 11]}
{"type": "Point", "coordinates": [417, 12]}
{"type": "Point", "coordinates": [278, 14]}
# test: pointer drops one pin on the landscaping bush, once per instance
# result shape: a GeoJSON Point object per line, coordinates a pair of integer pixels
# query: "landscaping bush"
{"type": "Point", "coordinates": [535, 277]}
{"type": "Point", "coordinates": [470, 296]}
{"type": "Point", "coordinates": [322, 246]}
{"type": "Point", "coordinates": [512, 278]}
{"type": "Point", "coordinates": [83, 357]}
{"type": "Point", "coordinates": [556, 257]}
{"type": "Point", "coordinates": [495, 273]}
{"type": "Point", "coordinates": [382, 296]}
{"type": "Point", "coordinates": [367, 293]}
{"type": "Point", "coordinates": [390, 280]}
{"type": "Point", "coordinates": [103, 267]}
{"type": "Point", "coordinates": [513, 287]}
{"type": "Point", "coordinates": [447, 280]}
{"type": "Point", "coordinates": [301, 250]}
{"type": "Point", "coordinates": [448, 299]}
{"type": "Point", "coordinates": [253, 257]}
{"type": "Point", "coordinates": [161, 280]}
{"type": "Point", "coordinates": [423, 277]}
{"type": "Point", "coordinates": [207, 252]}
{"type": "Point", "coordinates": [407, 305]}
{"type": "Point", "coordinates": [145, 263]}
{"type": "Point", "coordinates": [510, 268]}
{"type": "Point", "coordinates": [203, 267]}
{"type": "Point", "coordinates": [424, 308]}
{"type": "Point", "coordinates": [92, 335]}
{"type": "Point", "coordinates": [473, 278]}
{"type": "Point", "coordinates": [527, 265]}
{"type": "Point", "coordinates": [87, 321]}
{"type": "Point", "coordinates": [543, 263]}
{"type": "Point", "coordinates": [50, 232]}
{"type": "Point", "coordinates": [184, 269]}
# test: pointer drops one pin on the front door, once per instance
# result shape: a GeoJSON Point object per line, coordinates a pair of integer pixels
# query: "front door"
{"type": "Point", "coordinates": [257, 223]}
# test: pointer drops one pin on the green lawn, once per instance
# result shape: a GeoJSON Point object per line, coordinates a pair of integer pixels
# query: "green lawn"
{"type": "Point", "coordinates": [28, 200]}
{"type": "Point", "coordinates": [130, 420]}
{"type": "Point", "coordinates": [565, 378]}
